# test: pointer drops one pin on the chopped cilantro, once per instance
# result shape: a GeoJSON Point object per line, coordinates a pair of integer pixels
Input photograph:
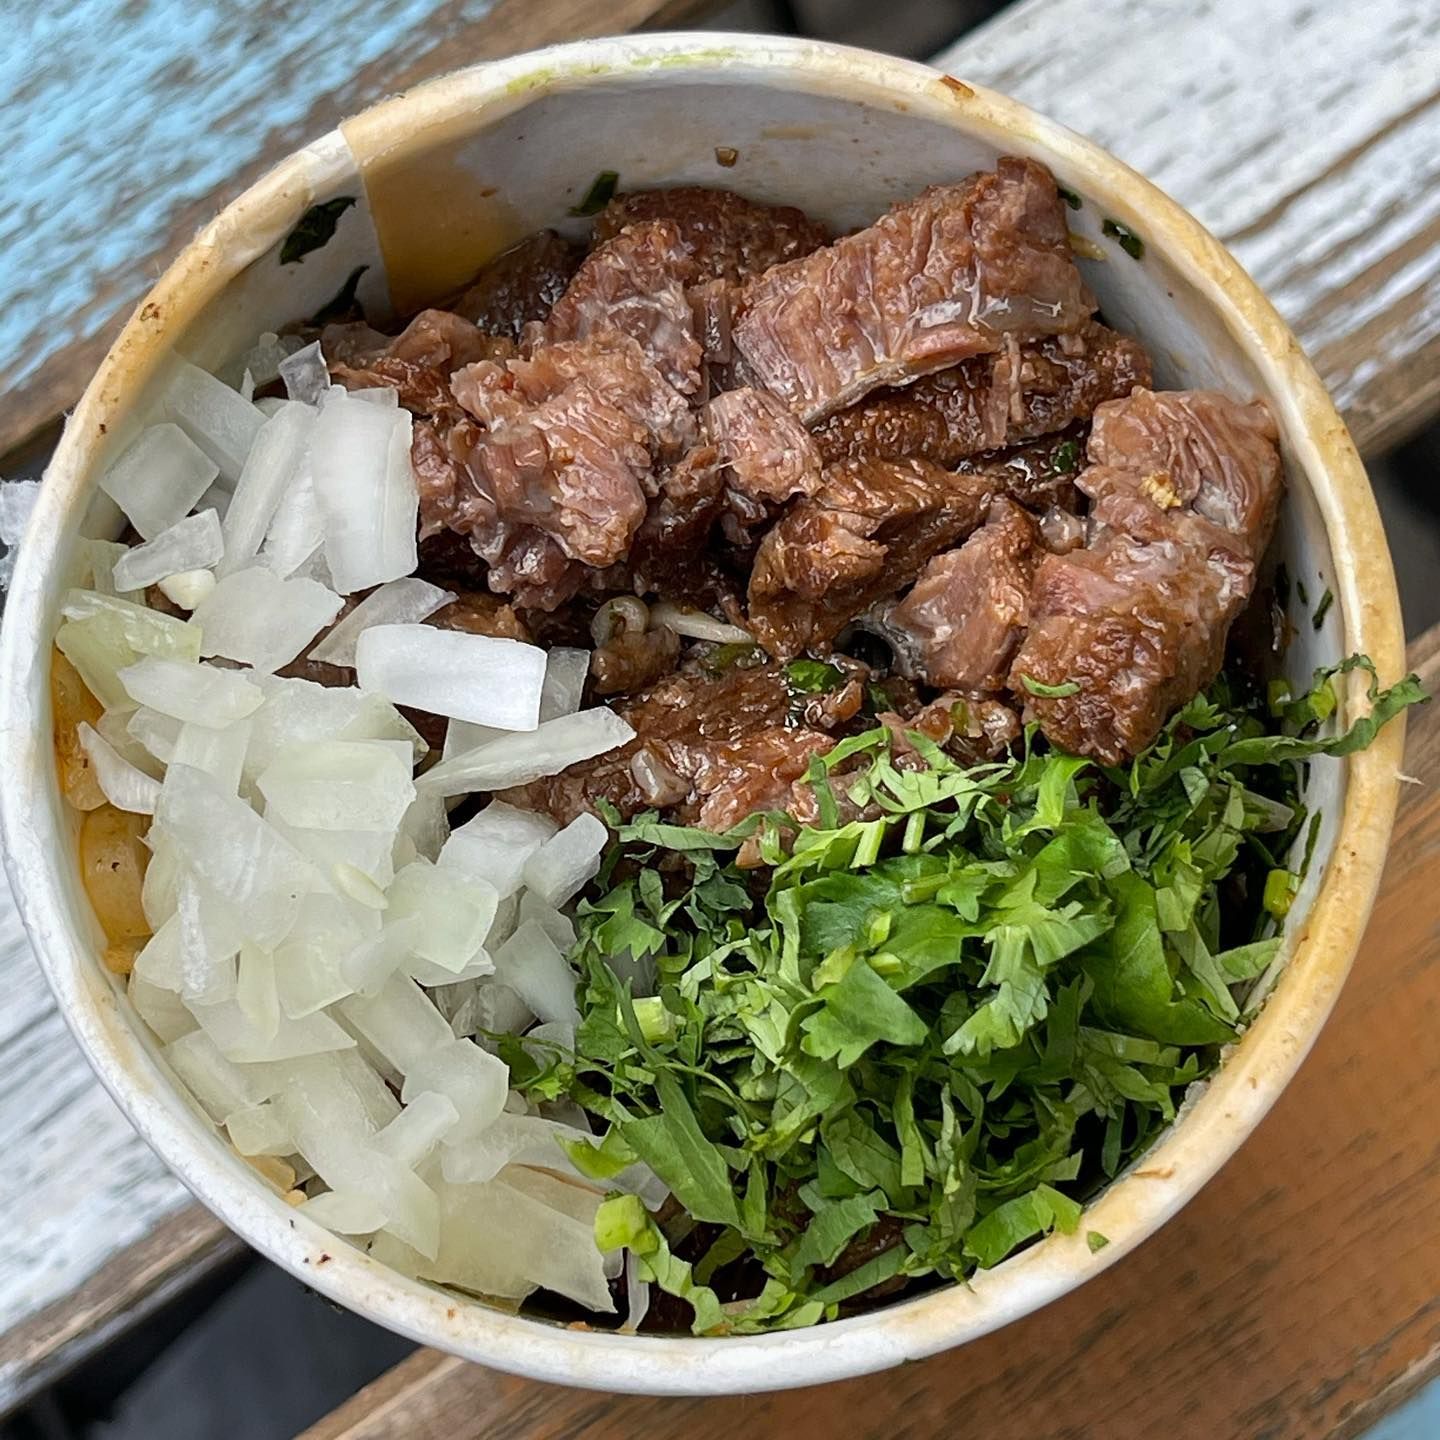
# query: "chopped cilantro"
{"type": "Point", "coordinates": [1301, 592]}
{"type": "Point", "coordinates": [1323, 608]}
{"type": "Point", "coordinates": [812, 677]}
{"type": "Point", "coordinates": [1067, 457]}
{"type": "Point", "coordinates": [923, 1038]}
{"type": "Point", "coordinates": [1127, 239]}
{"type": "Point", "coordinates": [1096, 1241]}
{"type": "Point", "coordinates": [315, 229]}
{"type": "Point", "coordinates": [1050, 692]}
{"type": "Point", "coordinates": [599, 195]}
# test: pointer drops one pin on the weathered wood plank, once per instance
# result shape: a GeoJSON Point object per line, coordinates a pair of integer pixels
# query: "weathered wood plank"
{"type": "Point", "coordinates": [130, 122]}
{"type": "Point", "coordinates": [1307, 137]}
{"type": "Point", "coordinates": [1294, 1298]}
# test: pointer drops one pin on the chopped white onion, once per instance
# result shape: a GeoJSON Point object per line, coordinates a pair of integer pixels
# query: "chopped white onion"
{"type": "Point", "coordinates": [124, 786]}
{"type": "Point", "coordinates": [270, 470]}
{"type": "Point", "coordinates": [340, 784]}
{"type": "Point", "coordinates": [476, 1083]}
{"type": "Point", "coordinates": [495, 844]}
{"type": "Point", "coordinates": [697, 625]}
{"type": "Point", "coordinates": [158, 733]}
{"type": "Point", "coordinates": [189, 587]}
{"type": "Point", "coordinates": [159, 477]}
{"type": "Point", "coordinates": [197, 694]}
{"type": "Point", "coordinates": [398, 602]}
{"type": "Point", "coordinates": [461, 735]}
{"type": "Point", "coordinates": [240, 1040]}
{"type": "Point", "coordinates": [306, 375]}
{"type": "Point", "coordinates": [565, 673]}
{"type": "Point", "coordinates": [189, 544]}
{"type": "Point", "coordinates": [261, 620]}
{"type": "Point", "coordinates": [211, 936]}
{"type": "Point", "coordinates": [559, 927]}
{"type": "Point", "coordinates": [235, 851]}
{"type": "Point", "coordinates": [255, 991]}
{"type": "Point", "coordinates": [103, 634]}
{"type": "Point", "coordinates": [221, 1087]}
{"type": "Point", "coordinates": [480, 678]}
{"type": "Point", "coordinates": [454, 911]}
{"type": "Point", "coordinates": [259, 1129]}
{"type": "Point", "coordinates": [472, 1159]}
{"type": "Point", "coordinates": [567, 861]}
{"type": "Point", "coordinates": [161, 1009]}
{"type": "Point", "coordinates": [427, 1119]}
{"type": "Point", "coordinates": [518, 759]}
{"type": "Point", "coordinates": [360, 468]}
{"type": "Point", "coordinates": [214, 416]}
{"type": "Point", "coordinates": [400, 1022]}
{"type": "Point", "coordinates": [346, 1212]}
{"type": "Point", "coordinates": [298, 529]}
{"type": "Point", "coordinates": [532, 965]}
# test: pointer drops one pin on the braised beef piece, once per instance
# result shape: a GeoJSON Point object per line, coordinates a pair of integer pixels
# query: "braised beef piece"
{"type": "Point", "coordinates": [416, 364]}
{"type": "Point", "coordinates": [968, 610]}
{"type": "Point", "coordinates": [767, 455]}
{"type": "Point", "coordinates": [940, 278]}
{"type": "Point", "coordinates": [557, 481]}
{"type": "Point", "coordinates": [712, 749]}
{"type": "Point", "coordinates": [1189, 485]}
{"type": "Point", "coordinates": [635, 285]}
{"type": "Point", "coordinates": [631, 659]}
{"type": "Point", "coordinates": [1039, 474]}
{"type": "Point", "coordinates": [728, 236]}
{"type": "Point", "coordinates": [991, 401]}
{"type": "Point", "coordinates": [863, 536]}
{"type": "Point", "coordinates": [520, 284]}
{"type": "Point", "coordinates": [478, 613]}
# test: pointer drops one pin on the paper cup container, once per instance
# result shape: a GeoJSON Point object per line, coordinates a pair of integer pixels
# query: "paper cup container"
{"type": "Point", "coordinates": [455, 170]}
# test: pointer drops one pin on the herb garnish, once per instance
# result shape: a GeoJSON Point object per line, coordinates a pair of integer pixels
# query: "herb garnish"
{"type": "Point", "coordinates": [1127, 239]}
{"type": "Point", "coordinates": [1067, 457]}
{"type": "Point", "coordinates": [812, 677]}
{"type": "Point", "coordinates": [599, 195]}
{"type": "Point", "coordinates": [315, 228]}
{"type": "Point", "coordinates": [1323, 608]}
{"type": "Point", "coordinates": [1050, 692]}
{"type": "Point", "coordinates": [937, 1028]}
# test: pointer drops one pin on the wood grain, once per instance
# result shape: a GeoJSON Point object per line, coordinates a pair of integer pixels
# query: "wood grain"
{"type": "Point", "coordinates": [119, 152]}
{"type": "Point", "coordinates": [1306, 136]}
{"type": "Point", "coordinates": [1294, 1298]}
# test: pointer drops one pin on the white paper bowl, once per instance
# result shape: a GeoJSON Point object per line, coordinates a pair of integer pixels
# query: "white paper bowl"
{"type": "Point", "coordinates": [458, 168]}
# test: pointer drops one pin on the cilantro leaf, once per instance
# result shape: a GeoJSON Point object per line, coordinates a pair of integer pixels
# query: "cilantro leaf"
{"type": "Point", "coordinates": [1008, 1226]}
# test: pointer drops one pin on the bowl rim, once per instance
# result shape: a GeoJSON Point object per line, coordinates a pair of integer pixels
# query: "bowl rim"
{"type": "Point", "coordinates": [1133, 1207]}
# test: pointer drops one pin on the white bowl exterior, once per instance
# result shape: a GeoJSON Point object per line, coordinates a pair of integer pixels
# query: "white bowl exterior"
{"type": "Point", "coordinates": [494, 152]}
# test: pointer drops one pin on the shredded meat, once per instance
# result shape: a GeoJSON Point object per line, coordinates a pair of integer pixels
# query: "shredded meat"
{"type": "Point", "coordinates": [728, 236]}
{"type": "Point", "coordinates": [940, 278]}
{"type": "Point", "coordinates": [990, 401]}
{"type": "Point", "coordinates": [968, 610]}
{"type": "Point", "coordinates": [1133, 624]}
{"type": "Point", "coordinates": [635, 285]}
{"type": "Point", "coordinates": [767, 453]}
{"type": "Point", "coordinates": [520, 285]}
{"type": "Point", "coordinates": [863, 536]}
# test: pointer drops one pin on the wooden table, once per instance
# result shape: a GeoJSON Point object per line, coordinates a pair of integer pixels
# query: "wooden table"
{"type": "Point", "coordinates": [1298, 1295]}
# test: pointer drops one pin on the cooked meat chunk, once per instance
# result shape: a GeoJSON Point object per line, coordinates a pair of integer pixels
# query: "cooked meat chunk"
{"type": "Point", "coordinates": [635, 285]}
{"type": "Point", "coordinates": [1039, 474]}
{"type": "Point", "coordinates": [968, 610]}
{"type": "Point", "coordinates": [480, 614]}
{"type": "Point", "coordinates": [1135, 623]}
{"type": "Point", "coordinates": [1196, 449]}
{"type": "Point", "coordinates": [713, 749]}
{"type": "Point", "coordinates": [990, 401]}
{"type": "Point", "coordinates": [863, 536]}
{"type": "Point", "coordinates": [440, 452]}
{"type": "Point", "coordinates": [767, 453]}
{"type": "Point", "coordinates": [416, 364]}
{"type": "Point", "coordinates": [972, 728]}
{"type": "Point", "coordinates": [520, 285]}
{"type": "Point", "coordinates": [666, 555]}
{"type": "Point", "coordinates": [1061, 531]}
{"type": "Point", "coordinates": [940, 278]}
{"type": "Point", "coordinates": [728, 236]}
{"type": "Point", "coordinates": [561, 471]}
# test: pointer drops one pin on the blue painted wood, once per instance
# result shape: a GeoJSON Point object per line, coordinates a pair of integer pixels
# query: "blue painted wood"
{"type": "Point", "coordinates": [119, 114]}
{"type": "Point", "coordinates": [1417, 1419]}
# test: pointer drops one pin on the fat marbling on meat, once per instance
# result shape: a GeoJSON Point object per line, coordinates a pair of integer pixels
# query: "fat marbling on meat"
{"type": "Point", "coordinates": [938, 279]}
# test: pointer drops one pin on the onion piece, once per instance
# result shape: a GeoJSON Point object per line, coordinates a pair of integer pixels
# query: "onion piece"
{"type": "Point", "coordinates": [189, 587]}
{"type": "Point", "coordinates": [566, 670]}
{"type": "Point", "coordinates": [255, 617]}
{"type": "Point", "coordinates": [480, 678]}
{"type": "Point", "coordinates": [125, 786]}
{"type": "Point", "coordinates": [159, 477]}
{"type": "Point", "coordinates": [219, 752]}
{"type": "Point", "coordinates": [397, 602]}
{"type": "Point", "coordinates": [360, 468]}
{"type": "Point", "coordinates": [270, 470]}
{"type": "Point", "coordinates": [476, 1083]}
{"type": "Point", "coordinates": [340, 784]}
{"type": "Point", "coordinates": [259, 1129]}
{"type": "Point", "coordinates": [520, 758]}
{"type": "Point", "coordinates": [428, 1118]}
{"type": "Point", "coordinates": [697, 625]}
{"type": "Point", "coordinates": [306, 375]}
{"type": "Point", "coordinates": [193, 543]}
{"type": "Point", "coordinates": [568, 860]}
{"type": "Point", "coordinates": [199, 694]}
{"type": "Point", "coordinates": [214, 416]}
{"type": "Point", "coordinates": [222, 1088]}
{"type": "Point", "coordinates": [454, 911]}
{"type": "Point", "coordinates": [298, 530]}
{"type": "Point", "coordinates": [400, 1022]}
{"type": "Point", "coordinates": [494, 846]}
{"type": "Point", "coordinates": [531, 964]}
{"type": "Point", "coordinates": [102, 635]}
